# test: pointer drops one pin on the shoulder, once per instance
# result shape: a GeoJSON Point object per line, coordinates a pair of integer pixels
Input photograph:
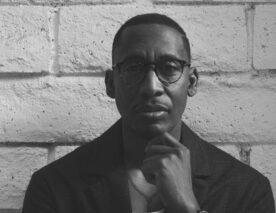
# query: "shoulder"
{"type": "Point", "coordinates": [223, 163]}
{"type": "Point", "coordinates": [71, 164]}
{"type": "Point", "coordinates": [245, 186]}
{"type": "Point", "coordinates": [236, 176]}
{"type": "Point", "coordinates": [88, 158]}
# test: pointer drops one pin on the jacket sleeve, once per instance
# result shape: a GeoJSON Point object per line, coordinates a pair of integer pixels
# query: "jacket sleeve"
{"type": "Point", "coordinates": [263, 200]}
{"type": "Point", "coordinates": [38, 197]}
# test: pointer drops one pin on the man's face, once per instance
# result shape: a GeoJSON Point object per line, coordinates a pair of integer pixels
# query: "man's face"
{"type": "Point", "coordinates": [151, 108]}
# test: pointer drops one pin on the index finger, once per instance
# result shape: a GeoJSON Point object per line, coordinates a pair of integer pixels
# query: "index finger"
{"type": "Point", "coordinates": [165, 139]}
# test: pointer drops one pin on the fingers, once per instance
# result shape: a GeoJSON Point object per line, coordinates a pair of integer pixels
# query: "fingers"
{"type": "Point", "coordinates": [165, 139]}
{"type": "Point", "coordinates": [157, 150]}
{"type": "Point", "coordinates": [161, 154]}
{"type": "Point", "coordinates": [151, 168]}
{"type": "Point", "coordinates": [164, 144]}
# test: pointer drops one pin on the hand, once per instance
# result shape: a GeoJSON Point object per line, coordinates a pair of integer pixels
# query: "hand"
{"type": "Point", "coordinates": [167, 165]}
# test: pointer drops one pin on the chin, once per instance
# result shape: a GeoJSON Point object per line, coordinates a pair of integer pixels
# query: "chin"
{"type": "Point", "coordinates": [151, 130]}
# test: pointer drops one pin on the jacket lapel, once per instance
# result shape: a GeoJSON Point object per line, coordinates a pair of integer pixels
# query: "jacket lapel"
{"type": "Point", "coordinates": [118, 184]}
{"type": "Point", "coordinates": [103, 169]}
{"type": "Point", "coordinates": [110, 193]}
{"type": "Point", "coordinates": [200, 163]}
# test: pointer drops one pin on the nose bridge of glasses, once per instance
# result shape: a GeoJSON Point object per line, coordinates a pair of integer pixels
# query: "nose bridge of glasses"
{"type": "Point", "coordinates": [151, 66]}
{"type": "Point", "coordinates": [151, 75]}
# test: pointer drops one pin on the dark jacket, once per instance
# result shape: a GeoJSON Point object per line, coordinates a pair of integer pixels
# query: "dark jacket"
{"type": "Point", "coordinates": [92, 179]}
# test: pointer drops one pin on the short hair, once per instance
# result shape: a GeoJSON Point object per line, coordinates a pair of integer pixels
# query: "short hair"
{"type": "Point", "coordinates": [151, 18]}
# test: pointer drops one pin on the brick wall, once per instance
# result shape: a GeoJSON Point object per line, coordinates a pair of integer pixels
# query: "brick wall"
{"type": "Point", "coordinates": [52, 97]}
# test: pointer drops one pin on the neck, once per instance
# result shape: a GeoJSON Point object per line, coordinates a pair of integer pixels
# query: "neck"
{"type": "Point", "coordinates": [134, 145]}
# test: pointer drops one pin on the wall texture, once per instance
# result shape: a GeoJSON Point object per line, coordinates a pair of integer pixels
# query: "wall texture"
{"type": "Point", "coordinates": [52, 97]}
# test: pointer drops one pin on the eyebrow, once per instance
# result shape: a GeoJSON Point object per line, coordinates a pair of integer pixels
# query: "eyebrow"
{"type": "Point", "coordinates": [134, 57]}
{"type": "Point", "coordinates": [169, 56]}
{"type": "Point", "coordinates": [138, 56]}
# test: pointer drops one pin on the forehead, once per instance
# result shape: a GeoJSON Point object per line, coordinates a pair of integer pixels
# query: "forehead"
{"type": "Point", "coordinates": [150, 41]}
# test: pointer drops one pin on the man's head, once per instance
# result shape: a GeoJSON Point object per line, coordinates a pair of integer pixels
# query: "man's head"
{"type": "Point", "coordinates": [151, 18]}
{"type": "Point", "coordinates": [151, 77]}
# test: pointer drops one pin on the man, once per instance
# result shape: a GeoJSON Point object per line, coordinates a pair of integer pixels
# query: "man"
{"type": "Point", "coordinates": [149, 161]}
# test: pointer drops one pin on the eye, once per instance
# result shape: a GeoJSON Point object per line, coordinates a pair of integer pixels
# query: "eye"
{"type": "Point", "coordinates": [132, 73]}
{"type": "Point", "coordinates": [133, 68]}
{"type": "Point", "coordinates": [169, 67]}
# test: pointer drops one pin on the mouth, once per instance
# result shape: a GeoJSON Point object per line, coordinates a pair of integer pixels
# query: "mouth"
{"type": "Point", "coordinates": [151, 110]}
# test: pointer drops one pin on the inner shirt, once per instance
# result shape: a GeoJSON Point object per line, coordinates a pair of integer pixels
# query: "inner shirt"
{"type": "Point", "coordinates": [143, 195]}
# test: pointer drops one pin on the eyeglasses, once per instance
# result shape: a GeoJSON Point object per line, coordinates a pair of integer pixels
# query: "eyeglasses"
{"type": "Point", "coordinates": [168, 71]}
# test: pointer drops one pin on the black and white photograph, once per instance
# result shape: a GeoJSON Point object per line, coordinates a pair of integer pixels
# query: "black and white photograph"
{"type": "Point", "coordinates": [137, 106]}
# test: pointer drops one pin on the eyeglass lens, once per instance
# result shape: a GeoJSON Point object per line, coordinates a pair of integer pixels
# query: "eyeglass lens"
{"type": "Point", "coordinates": [168, 71]}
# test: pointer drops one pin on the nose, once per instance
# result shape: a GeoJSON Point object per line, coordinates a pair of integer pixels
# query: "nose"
{"type": "Point", "coordinates": [151, 86]}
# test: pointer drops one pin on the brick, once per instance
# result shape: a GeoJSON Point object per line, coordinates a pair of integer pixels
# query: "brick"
{"type": "Point", "coordinates": [230, 149]}
{"type": "Point", "coordinates": [16, 167]}
{"type": "Point", "coordinates": [263, 159]}
{"type": "Point", "coordinates": [218, 41]}
{"type": "Point", "coordinates": [13, 2]}
{"type": "Point", "coordinates": [10, 210]}
{"type": "Point", "coordinates": [214, 1]}
{"type": "Point", "coordinates": [69, 2]}
{"type": "Point", "coordinates": [63, 150]}
{"type": "Point", "coordinates": [237, 109]}
{"type": "Point", "coordinates": [24, 39]}
{"type": "Point", "coordinates": [51, 2]}
{"type": "Point", "coordinates": [69, 109]}
{"type": "Point", "coordinates": [265, 37]}
{"type": "Point", "coordinates": [99, 1]}
{"type": "Point", "coordinates": [87, 48]}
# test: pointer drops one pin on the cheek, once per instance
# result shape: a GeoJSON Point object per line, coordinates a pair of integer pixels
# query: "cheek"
{"type": "Point", "coordinates": [179, 96]}
{"type": "Point", "coordinates": [124, 97]}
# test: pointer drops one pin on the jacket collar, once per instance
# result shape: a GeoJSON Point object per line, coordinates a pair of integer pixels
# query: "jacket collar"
{"type": "Point", "coordinates": [200, 161]}
{"type": "Point", "coordinates": [105, 154]}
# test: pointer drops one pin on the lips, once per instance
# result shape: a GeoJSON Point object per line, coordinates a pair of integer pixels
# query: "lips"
{"type": "Point", "coordinates": [150, 108]}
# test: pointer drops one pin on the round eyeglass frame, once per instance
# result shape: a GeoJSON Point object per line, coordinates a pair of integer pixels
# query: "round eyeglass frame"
{"type": "Point", "coordinates": [182, 63]}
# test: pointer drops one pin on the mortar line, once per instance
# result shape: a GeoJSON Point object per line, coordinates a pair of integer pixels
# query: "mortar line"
{"type": "Point", "coordinates": [39, 144]}
{"type": "Point", "coordinates": [245, 151]}
{"type": "Point", "coordinates": [53, 23]}
{"type": "Point", "coordinates": [17, 75]}
{"type": "Point", "coordinates": [31, 2]}
{"type": "Point", "coordinates": [249, 17]}
{"type": "Point", "coordinates": [239, 143]}
{"type": "Point", "coordinates": [14, 4]}
{"type": "Point", "coordinates": [210, 3]}
{"type": "Point", "coordinates": [51, 153]}
{"type": "Point", "coordinates": [10, 210]}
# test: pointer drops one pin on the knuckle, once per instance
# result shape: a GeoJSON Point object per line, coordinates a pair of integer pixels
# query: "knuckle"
{"type": "Point", "coordinates": [182, 152]}
{"type": "Point", "coordinates": [179, 152]}
{"type": "Point", "coordinates": [163, 163]}
{"type": "Point", "coordinates": [171, 157]}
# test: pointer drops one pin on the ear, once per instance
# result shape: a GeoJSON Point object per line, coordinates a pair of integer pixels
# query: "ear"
{"type": "Point", "coordinates": [193, 80]}
{"type": "Point", "coordinates": [109, 83]}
